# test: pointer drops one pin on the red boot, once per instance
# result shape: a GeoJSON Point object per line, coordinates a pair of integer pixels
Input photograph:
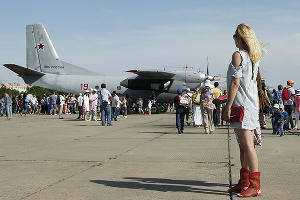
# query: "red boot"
{"type": "Point", "coordinates": [243, 183]}
{"type": "Point", "coordinates": [254, 188]}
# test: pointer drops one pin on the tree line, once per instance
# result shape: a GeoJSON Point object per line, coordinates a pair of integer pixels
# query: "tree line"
{"type": "Point", "coordinates": [34, 90]}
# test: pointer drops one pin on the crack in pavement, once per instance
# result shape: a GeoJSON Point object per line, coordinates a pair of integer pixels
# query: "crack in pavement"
{"type": "Point", "coordinates": [61, 180]}
{"type": "Point", "coordinates": [97, 164]}
{"type": "Point", "coordinates": [229, 161]}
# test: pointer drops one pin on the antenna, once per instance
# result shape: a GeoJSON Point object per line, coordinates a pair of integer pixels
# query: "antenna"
{"type": "Point", "coordinates": [207, 65]}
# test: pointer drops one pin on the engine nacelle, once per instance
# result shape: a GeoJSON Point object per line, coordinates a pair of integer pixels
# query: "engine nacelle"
{"type": "Point", "coordinates": [147, 84]}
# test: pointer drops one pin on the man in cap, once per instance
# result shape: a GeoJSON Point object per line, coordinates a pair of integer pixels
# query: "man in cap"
{"type": "Point", "coordinates": [181, 103]}
{"type": "Point", "coordinates": [288, 95]}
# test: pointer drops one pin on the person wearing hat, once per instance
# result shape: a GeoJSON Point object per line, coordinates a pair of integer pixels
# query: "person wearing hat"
{"type": "Point", "coordinates": [93, 101]}
{"type": "Point", "coordinates": [277, 120]}
{"type": "Point", "coordinates": [297, 109]}
{"type": "Point", "coordinates": [181, 104]}
{"type": "Point", "coordinates": [207, 108]}
{"type": "Point", "coordinates": [288, 95]}
{"type": "Point", "coordinates": [86, 105]}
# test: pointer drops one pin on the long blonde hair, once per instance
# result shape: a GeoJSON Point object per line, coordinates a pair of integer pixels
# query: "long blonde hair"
{"type": "Point", "coordinates": [254, 47]}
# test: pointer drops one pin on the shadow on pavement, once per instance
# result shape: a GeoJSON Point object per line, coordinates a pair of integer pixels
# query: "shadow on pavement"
{"type": "Point", "coordinates": [165, 185]}
{"type": "Point", "coordinates": [86, 125]}
{"type": "Point", "coordinates": [157, 132]}
{"type": "Point", "coordinates": [178, 182]}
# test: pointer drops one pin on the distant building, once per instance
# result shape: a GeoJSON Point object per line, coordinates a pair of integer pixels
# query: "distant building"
{"type": "Point", "coordinates": [16, 86]}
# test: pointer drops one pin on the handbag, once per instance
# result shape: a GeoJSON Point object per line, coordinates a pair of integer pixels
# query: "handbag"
{"type": "Point", "coordinates": [237, 113]}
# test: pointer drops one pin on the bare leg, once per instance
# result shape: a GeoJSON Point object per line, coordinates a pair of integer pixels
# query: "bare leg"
{"type": "Point", "coordinates": [242, 159]}
{"type": "Point", "coordinates": [247, 148]}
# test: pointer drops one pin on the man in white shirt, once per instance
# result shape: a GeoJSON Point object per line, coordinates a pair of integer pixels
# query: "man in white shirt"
{"type": "Point", "coordinates": [105, 105]}
{"type": "Point", "coordinates": [33, 103]}
{"type": "Point", "coordinates": [61, 104]}
{"type": "Point", "coordinates": [115, 106]}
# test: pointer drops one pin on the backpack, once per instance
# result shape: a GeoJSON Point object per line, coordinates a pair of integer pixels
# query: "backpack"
{"type": "Point", "coordinates": [285, 94]}
{"type": "Point", "coordinates": [183, 100]}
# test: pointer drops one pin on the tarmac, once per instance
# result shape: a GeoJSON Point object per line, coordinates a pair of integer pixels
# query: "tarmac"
{"type": "Point", "coordinates": [141, 157]}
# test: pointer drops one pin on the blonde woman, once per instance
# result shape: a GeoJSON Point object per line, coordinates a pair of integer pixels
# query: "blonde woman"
{"type": "Point", "coordinates": [242, 91]}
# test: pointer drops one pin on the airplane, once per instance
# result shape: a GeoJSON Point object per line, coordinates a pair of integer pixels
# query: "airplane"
{"type": "Point", "coordinates": [44, 68]}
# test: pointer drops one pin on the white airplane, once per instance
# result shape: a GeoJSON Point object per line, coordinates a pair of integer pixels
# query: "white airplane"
{"type": "Point", "coordinates": [44, 68]}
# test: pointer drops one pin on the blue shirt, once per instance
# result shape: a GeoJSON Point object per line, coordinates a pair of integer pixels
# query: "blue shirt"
{"type": "Point", "coordinates": [8, 100]}
{"type": "Point", "coordinates": [278, 116]}
{"type": "Point", "coordinates": [279, 96]}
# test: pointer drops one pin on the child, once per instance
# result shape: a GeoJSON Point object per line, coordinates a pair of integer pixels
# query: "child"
{"type": "Point", "coordinates": [285, 118]}
{"type": "Point", "coordinates": [277, 120]}
{"type": "Point", "coordinates": [297, 109]}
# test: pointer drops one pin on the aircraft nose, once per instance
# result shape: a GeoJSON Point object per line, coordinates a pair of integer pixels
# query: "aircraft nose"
{"type": "Point", "coordinates": [124, 83]}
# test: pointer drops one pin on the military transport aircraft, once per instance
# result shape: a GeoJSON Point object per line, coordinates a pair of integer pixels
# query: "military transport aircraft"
{"type": "Point", "coordinates": [45, 69]}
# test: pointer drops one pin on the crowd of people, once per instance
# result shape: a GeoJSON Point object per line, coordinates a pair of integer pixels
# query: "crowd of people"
{"type": "Point", "coordinates": [202, 108]}
{"type": "Point", "coordinates": [93, 105]}
{"type": "Point", "coordinates": [285, 102]}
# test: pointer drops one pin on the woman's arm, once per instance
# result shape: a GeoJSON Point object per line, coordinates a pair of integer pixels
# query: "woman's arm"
{"type": "Point", "coordinates": [234, 86]}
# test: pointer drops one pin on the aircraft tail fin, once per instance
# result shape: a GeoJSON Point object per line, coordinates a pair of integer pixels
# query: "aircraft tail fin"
{"type": "Point", "coordinates": [41, 54]}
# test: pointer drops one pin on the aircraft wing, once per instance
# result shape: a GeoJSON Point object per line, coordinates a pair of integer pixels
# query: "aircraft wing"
{"type": "Point", "coordinates": [153, 74]}
{"type": "Point", "coordinates": [23, 71]}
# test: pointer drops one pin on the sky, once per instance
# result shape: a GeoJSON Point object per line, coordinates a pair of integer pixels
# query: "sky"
{"type": "Point", "coordinates": [111, 37]}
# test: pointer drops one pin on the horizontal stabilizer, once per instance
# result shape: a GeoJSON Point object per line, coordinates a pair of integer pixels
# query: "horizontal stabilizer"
{"type": "Point", "coordinates": [151, 74]}
{"type": "Point", "coordinates": [23, 71]}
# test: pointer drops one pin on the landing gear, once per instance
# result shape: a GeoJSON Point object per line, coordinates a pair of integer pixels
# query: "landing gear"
{"type": "Point", "coordinates": [159, 108]}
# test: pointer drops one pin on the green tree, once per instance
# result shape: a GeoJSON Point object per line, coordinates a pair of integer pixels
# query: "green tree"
{"type": "Point", "coordinates": [39, 91]}
{"type": "Point", "coordinates": [3, 90]}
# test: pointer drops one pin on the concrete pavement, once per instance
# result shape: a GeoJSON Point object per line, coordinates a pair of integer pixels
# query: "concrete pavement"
{"type": "Point", "coordinates": [142, 157]}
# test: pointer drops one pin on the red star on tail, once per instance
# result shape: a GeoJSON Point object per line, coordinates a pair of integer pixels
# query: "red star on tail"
{"type": "Point", "coordinates": [40, 46]}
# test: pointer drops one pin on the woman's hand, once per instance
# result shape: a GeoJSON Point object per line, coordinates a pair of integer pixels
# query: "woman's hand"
{"type": "Point", "coordinates": [226, 113]}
